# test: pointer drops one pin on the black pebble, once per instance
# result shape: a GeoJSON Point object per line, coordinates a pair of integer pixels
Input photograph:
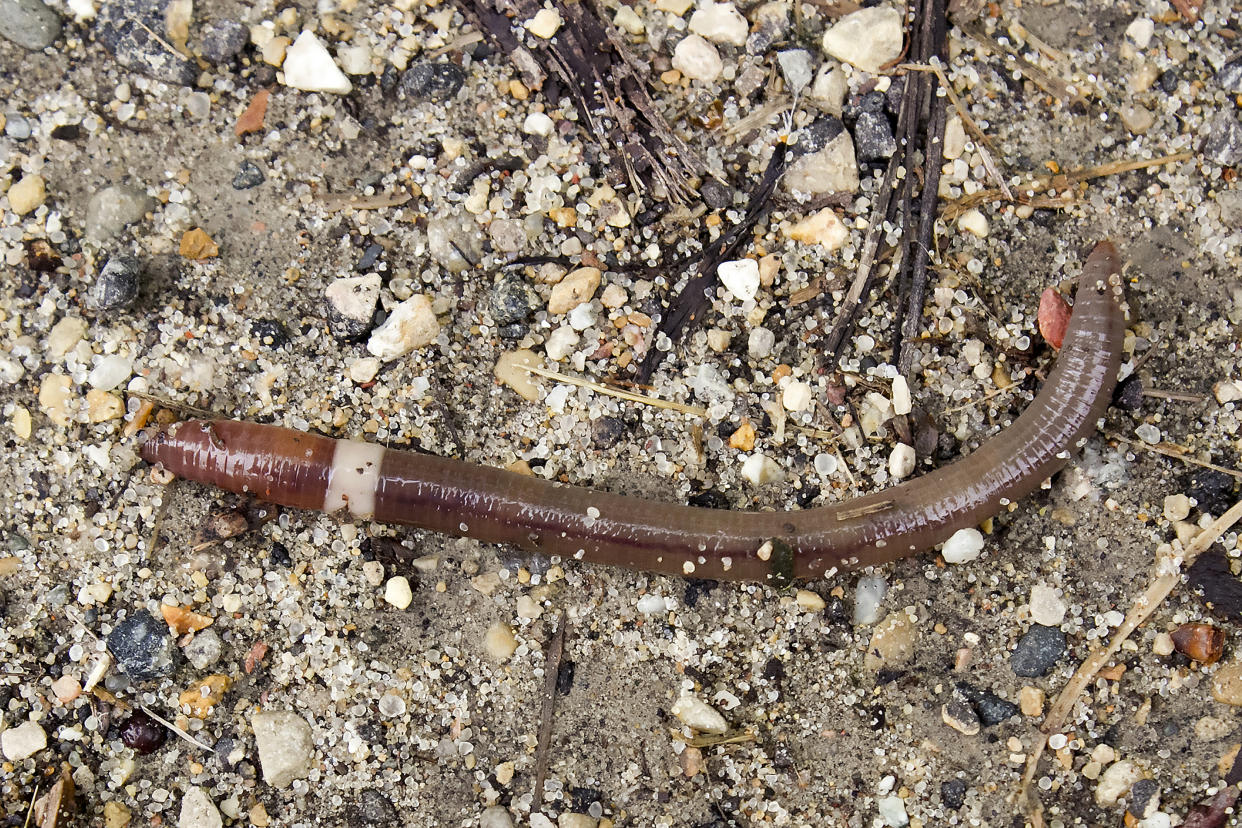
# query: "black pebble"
{"type": "Point", "coordinates": [1144, 796]}
{"type": "Point", "coordinates": [1129, 393]}
{"type": "Point", "coordinates": [511, 299]}
{"type": "Point", "coordinates": [369, 257]}
{"type": "Point", "coordinates": [716, 195]}
{"type": "Point", "coordinates": [953, 792]}
{"type": "Point", "coordinates": [117, 283]}
{"type": "Point", "coordinates": [142, 647]}
{"type": "Point", "coordinates": [249, 175]}
{"type": "Point", "coordinates": [1037, 651]}
{"type": "Point", "coordinates": [606, 432]}
{"type": "Point", "coordinates": [565, 677]}
{"type": "Point", "coordinates": [1213, 491]}
{"type": "Point", "coordinates": [67, 132]}
{"type": "Point", "coordinates": [709, 499]}
{"type": "Point", "coordinates": [431, 81]}
{"type": "Point", "coordinates": [279, 555]}
{"type": "Point", "coordinates": [1168, 81]}
{"type": "Point", "coordinates": [142, 733]}
{"type": "Point", "coordinates": [269, 332]}
{"type": "Point", "coordinates": [818, 134]}
{"type": "Point", "coordinates": [223, 40]}
{"type": "Point", "coordinates": [373, 810]}
{"type": "Point", "coordinates": [991, 708]}
{"type": "Point", "coordinates": [873, 136]}
{"type": "Point", "coordinates": [264, 75]}
{"type": "Point", "coordinates": [124, 27]}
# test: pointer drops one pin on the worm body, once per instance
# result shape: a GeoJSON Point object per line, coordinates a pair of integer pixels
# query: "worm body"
{"type": "Point", "coordinates": [308, 471]}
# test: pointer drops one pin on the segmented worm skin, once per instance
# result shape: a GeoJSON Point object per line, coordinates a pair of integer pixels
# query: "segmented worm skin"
{"type": "Point", "coordinates": [308, 471]}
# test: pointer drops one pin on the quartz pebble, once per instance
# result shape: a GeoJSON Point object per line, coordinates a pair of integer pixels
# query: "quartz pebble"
{"type": "Point", "coordinates": [892, 810]}
{"type": "Point", "coordinates": [760, 470]}
{"type": "Point", "coordinates": [308, 66]}
{"type": "Point", "coordinates": [972, 221]}
{"type": "Point", "coordinates": [760, 342]}
{"type": "Point", "coordinates": [740, 277]}
{"type": "Point", "coordinates": [797, 396]}
{"type": "Point", "coordinates": [561, 343]}
{"type": "Point", "coordinates": [545, 23]}
{"type": "Point", "coordinates": [510, 370]}
{"type": "Point", "coordinates": [114, 208]}
{"type": "Point", "coordinates": [1227, 391]}
{"type": "Point", "coordinates": [823, 228]}
{"type": "Point", "coordinates": [867, 38]}
{"type": "Point", "coordinates": [868, 596]}
{"type": "Point", "coordinates": [1046, 607]}
{"type": "Point", "coordinates": [902, 403]}
{"type": "Point", "coordinates": [698, 714]}
{"type": "Point", "coordinates": [538, 123]}
{"type": "Point", "coordinates": [204, 649]}
{"type": "Point", "coordinates": [495, 817]}
{"type": "Point", "coordinates": [651, 604]}
{"type": "Point", "coordinates": [499, 642]}
{"type": "Point", "coordinates": [577, 287]}
{"type": "Point", "coordinates": [1115, 781]}
{"type": "Point", "coordinates": [809, 600]}
{"type": "Point", "coordinates": [285, 744]}
{"type": "Point", "coordinates": [23, 741]}
{"type": "Point", "coordinates": [720, 22]}
{"type": "Point", "coordinates": [110, 371]}
{"type": "Point", "coordinates": [197, 810]}
{"type": "Point", "coordinates": [411, 324]}
{"type": "Point", "coordinates": [1176, 507]}
{"type": "Point", "coordinates": [397, 592]}
{"type": "Point", "coordinates": [697, 59]}
{"type": "Point", "coordinates": [797, 67]}
{"type": "Point", "coordinates": [963, 546]}
{"type": "Point", "coordinates": [27, 195]}
{"type": "Point", "coordinates": [831, 168]}
{"type": "Point", "coordinates": [901, 461]}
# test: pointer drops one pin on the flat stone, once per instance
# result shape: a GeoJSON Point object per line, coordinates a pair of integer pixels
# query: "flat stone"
{"type": "Point", "coordinates": [510, 371]}
{"type": "Point", "coordinates": [23, 741]}
{"type": "Point", "coordinates": [198, 811]}
{"type": "Point", "coordinates": [125, 28]}
{"type": "Point", "coordinates": [431, 81]}
{"type": "Point", "coordinates": [867, 38]}
{"type": "Point", "coordinates": [286, 748]}
{"type": "Point", "coordinates": [1038, 651]}
{"type": "Point", "coordinates": [696, 58]}
{"type": "Point", "coordinates": [410, 325]}
{"type": "Point", "coordinates": [29, 23]}
{"type": "Point", "coordinates": [892, 642]}
{"type": "Point", "coordinates": [719, 22]}
{"type": "Point", "coordinates": [832, 168]}
{"type": "Point", "coordinates": [823, 228]}
{"type": "Point", "coordinates": [308, 66]}
{"type": "Point", "coordinates": [142, 647]}
{"type": "Point", "coordinates": [797, 396]}
{"type": "Point", "coordinates": [577, 287]}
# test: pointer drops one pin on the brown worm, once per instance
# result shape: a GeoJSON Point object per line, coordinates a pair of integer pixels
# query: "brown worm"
{"type": "Point", "coordinates": [308, 471]}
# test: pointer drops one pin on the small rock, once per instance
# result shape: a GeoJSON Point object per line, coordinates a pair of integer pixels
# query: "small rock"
{"type": "Point", "coordinates": [1144, 799]}
{"type": "Point", "coordinates": [508, 235]}
{"type": "Point", "coordinates": [1222, 139]}
{"type": "Point", "coordinates": [1037, 651]}
{"type": "Point", "coordinates": [117, 284]}
{"type": "Point", "coordinates": [992, 709]}
{"type": "Point", "coordinates": [873, 136]}
{"type": "Point", "coordinates": [972, 221]}
{"type": "Point", "coordinates": [411, 324]}
{"type": "Point", "coordinates": [628, 19]}
{"type": "Point", "coordinates": [954, 138]}
{"type": "Point", "coordinates": [770, 24]}
{"type": "Point", "coordinates": [959, 714]}
{"type": "Point", "coordinates": [510, 371]}
{"type": "Point", "coordinates": [797, 396]}
{"type": "Point", "coordinates": [697, 59]}
{"type": "Point", "coordinates": [1148, 433]}
{"type": "Point", "coordinates": [114, 208]}
{"type": "Point", "coordinates": [1031, 701]}
{"type": "Point", "coordinates": [561, 343]}
{"type": "Point", "coordinates": [125, 27]}
{"type": "Point", "coordinates": [142, 647]}
{"type": "Point", "coordinates": [809, 600]}
{"type": "Point", "coordinates": [1230, 75]}
{"type": "Point", "coordinates": [760, 342]}
{"type": "Point", "coordinates": [953, 794]}
{"type": "Point", "coordinates": [398, 593]}
{"type": "Point", "coordinates": [56, 398]}
{"type": "Point", "coordinates": [892, 642]}
{"type": "Point", "coordinates": [431, 81]}
{"type": "Point", "coordinates": [64, 337]}
{"type": "Point", "coordinates": [1200, 642]}
{"type": "Point", "coordinates": [23, 741]}
{"type": "Point", "coordinates": [116, 814]}
{"type": "Point", "coordinates": [699, 715]}
{"type": "Point", "coordinates": [499, 642]}
{"type": "Point", "coordinates": [1046, 607]}
{"type": "Point", "coordinates": [760, 470]}
{"type": "Point", "coordinates": [286, 748]}
{"type": "Point", "coordinates": [199, 700]}
{"type": "Point", "coordinates": [142, 734]}
{"type": "Point", "coordinates": [1115, 781]}
{"type": "Point", "coordinates": [66, 688]}
{"type": "Point", "coordinates": [902, 404]}
{"type": "Point", "coordinates": [901, 461]}
{"type": "Point", "coordinates": [204, 650]}
{"type": "Point", "coordinates": [577, 287]}
{"type": "Point", "coordinates": [1137, 118]}
{"type": "Point", "coordinates": [823, 228]}
{"type": "Point", "coordinates": [198, 811]}
{"type": "Point", "coordinates": [249, 175]}
{"type": "Point", "coordinates": [1227, 684]}
{"type": "Point", "coordinates": [545, 23]}
{"type": "Point", "coordinates": [830, 88]}
{"type": "Point", "coordinates": [308, 66]}
{"type": "Point", "coordinates": [350, 302]}
{"type": "Point", "coordinates": [740, 277]}
{"type": "Point", "coordinates": [17, 127]}
{"type": "Point", "coordinates": [796, 67]}
{"type": "Point", "coordinates": [102, 406]}
{"type": "Point", "coordinates": [832, 168]}
{"type": "Point", "coordinates": [1128, 395]}
{"type": "Point", "coordinates": [1176, 507]}
{"type": "Point", "coordinates": [568, 819]}
{"type": "Point", "coordinates": [868, 597]}
{"type": "Point", "coordinates": [963, 546]}
{"type": "Point", "coordinates": [650, 604]}
{"type": "Point", "coordinates": [1140, 31]}
{"type": "Point", "coordinates": [892, 811]}
{"type": "Point", "coordinates": [28, 194]}
{"type": "Point", "coordinates": [270, 333]}
{"type": "Point", "coordinates": [538, 123]}
{"type": "Point", "coordinates": [29, 23]}
{"type": "Point", "coordinates": [223, 40]}
{"type": "Point", "coordinates": [1162, 644]}
{"type": "Point", "coordinates": [719, 22]}
{"type": "Point", "coordinates": [373, 810]}
{"type": "Point", "coordinates": [495, 817]}
{"type": "Point", "coordinates": [867, 38]}
{"type": "Point", "coordinates": [1227, 391]}
{"type": "Point", "coordinates": [1212, 491]}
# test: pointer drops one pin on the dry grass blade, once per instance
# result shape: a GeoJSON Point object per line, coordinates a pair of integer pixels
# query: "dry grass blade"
{"type": "Point", "coordinates": [1175, 452]}
{"type": "Point", "coordinates": [551, 669]}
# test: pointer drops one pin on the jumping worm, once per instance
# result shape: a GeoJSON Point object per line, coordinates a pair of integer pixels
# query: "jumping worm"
{"type": "Point", "coordinates": [308, 471]}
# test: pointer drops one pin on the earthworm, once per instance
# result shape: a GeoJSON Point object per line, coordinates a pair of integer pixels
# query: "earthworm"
{"type": "Point", "coordinates": [309, 471]}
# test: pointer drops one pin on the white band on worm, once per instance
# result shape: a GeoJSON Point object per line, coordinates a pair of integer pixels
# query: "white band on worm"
{"type": "Point", "coordinates": [354, 478]}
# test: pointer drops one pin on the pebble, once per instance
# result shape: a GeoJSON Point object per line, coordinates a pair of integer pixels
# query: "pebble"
{"type": "Point", "coordinates": [830, 88]}
{"type": "Point", "coordinates": [397, 592]}
{"type": "Point", "coordinates": [1227, 391]}
{"type": "Point", "coordinates": [577, 287]}
{"type": "Point", "coordinates": [892, 642]}
{"type": "Point", "coordinates": [901, 461]}
{"type": "Point", "coordinates": [64, 337]}
{"type": "Point", "coordinates": [1046, 607]}
{"type": "Point", "coordinates": [1144, 799]}
{"type": "Point", "coordinates": [953, 793]}
{"type": "Point", "coordinates": [116, 814]}
{"type": "Point", "coordinates": [1162, 644]}
{"type": "Point", "coordinates": [797, 396]}
{"type": "Point", "coordinates": [760, 342]}
{"type": "Point", "coordinates": [17, 127]}
{"type": "Point", "coordinates": [1222, 139]}
{"type": "Point", "coordinates": [308, 66]}
{"type": "Point", "coordinates": [498, 641]}
{"type": "Point", "coordinates": [740, 277]}
{"type": "Point", "coordinates": [1227, 684]}
{"type": "Point", "coordinates": [28, 194]}
{"type": "Point", "coordinates": [495, 817]}
{"type": "Point", "coordinates": [797, 68]}
{"type": "Point", "coordinates": [66, 688]}
{"type": "Point", "coordinates": [868, 596]}
{"type": "Point", "coordinates": [1230, 75]}
{"type": "Point", "coordinates": [374, 809]}
{"type": "Point", "coordinates": [1201, 642]}
{"type": "Point", "coordinates": [410, 325]}
{"type": "Point", "coordinates": [719, 22]}
{"type": "Point", "coordinates": [223, 40]}
{"type": "Point", "coordinates": [198, 811]}
{"type": "Point", "coordinates": [867, 38]}
{"type": "Point", "coordinates": [972, 221]}
{"type": "Point", "coordinates": [959, 714]}
{"type": "Point", "coordinates": [508, 235]}
{"type": "Point", "coordinates": [538, 123]}
{"type": "Point", "coordinates": [873, 136]}
{"type": "Point", "coordinates": [142, 646]}
{"type": "Point", "coordinates": [822, 228]}
{"type": "Point", "coordinates": [1176, 507]}
{"type": "Point", "coordinates": [56, 399]}
{"type": "Point", "coordinates": [545, 23]}
{"type": "Point", "coordinates": [699, 715]}
{"type": "Point", "coordinates": [832, 168]}
{"type": "Point", "coordinates": [809, 600]}
{"type": "Point", "coordinates": [511, 299]}
{"type": "Point", "coordinates": [1137, 118]}
{"type": "Point", "coordinates": [759, 470]}
{"type": "Point", "coordinates": [432, 81]}
{"type": "Point", "coordinates": [651, 604]}
{"type": "Point", "coordinates": [23, 741]}
{"type": "Point", "coordinates": [992, 709]}
{"type": "Point", "coordinates": [285, 744]}
{"type": "Point", "coordinates": [954, 138]}
{"type": "Point", "coordinates": [697, 59]}
{"type": "Point", "coordinates": [114, 208]}
{"type": "Point", "coordinates": [1031, 701]}
{"type": "Point", "coordinates": [963, 546]}
{"type": "Point", "coordinates": [902, 404]}
{"type": "Point", "coordinates": [1148, 433]}
{"type": "Point", "coordinates": [124, 28]}
{"type": "Point", "coordinates": [561, 343]}
{"type": "Point", "coordinates": [117, 284]}
{"type": "Point", "coordinates": [249, 175]}
{"type": "Point", "coordinates": [350, 303]}
{"type": "Point", "coordinates": [1115, 781]}
{"type": "Point", "coordinates": [892, 810]}
{"type": "Point", "coordinates": [204, 649]}
{"type": "Point", "coordinates": [509, 370]}
{"type": "Point", "coordinates": [29, 23]}
{"type": "Point", "coordinates": [1037, 651]}
{"type": "Point", "coordinates": [1140, 31]}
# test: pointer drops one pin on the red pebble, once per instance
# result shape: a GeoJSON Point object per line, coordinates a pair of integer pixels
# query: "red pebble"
{"type": "Point", "coordinates": [1054, 314]}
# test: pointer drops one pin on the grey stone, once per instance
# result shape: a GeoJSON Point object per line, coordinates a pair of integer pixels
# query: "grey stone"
{"type": "Point", "coordinates": [373, 810]}
{"type": "Point", "coordinates": [873, 136]}
{"type": "Point", "coordinates": [117, 284]}
{"type": "Point", "coordinates": [114, 208]}
{"type": "Point", "coordinates": [142, 647]}
{"type": "Point", "coordinates": [286, 749]}
{"type": "Point", "coordinates": [223, 40]}
{"type": "Point", "coordinates": [204, 650]}
{"type": "Point", "coordinates": [512, 299]}
{"type": "Point", "coordinates": [249, 175]}
{"type": "Point", "coordinates": [29, 23]}
{"type": "Point", "coordinates": [1037, 651]}
{"type": "Point", "coordinates": [796, 67]}
{"type": "Point", "coordinates": [431, 81]}
{"type": "Point", "coordinates": [125, 29]}
{"type": "Point", "coordinates": [1230, 75]}
{"type": "Point", "coordinates": [1223, 142]}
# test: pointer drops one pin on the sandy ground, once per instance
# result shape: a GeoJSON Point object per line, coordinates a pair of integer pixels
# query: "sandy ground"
{"type": "Point", "coordinates": [410, 703]}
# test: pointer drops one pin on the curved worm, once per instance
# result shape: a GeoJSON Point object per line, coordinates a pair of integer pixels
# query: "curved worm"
{"type": "Point", "coordinates": [308, 471]}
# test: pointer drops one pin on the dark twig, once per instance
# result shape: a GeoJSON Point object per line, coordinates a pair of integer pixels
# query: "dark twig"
{"type": "Point", "coordinates": [551, 668]}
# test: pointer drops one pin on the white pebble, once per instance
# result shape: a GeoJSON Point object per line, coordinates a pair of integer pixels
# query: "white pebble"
{"type": "Point", "coordinates": [1148, 433]}
{"type": "Point", "coordinates": [538, 123]}
{"type": "Point", "coordinates": [499, 642]}
{"type": "Point", "coordinates": [1176, 507]}
{"type": "Point", "coordinates": [825, 464]}
{"type": "Point", "coordinates": [397, 592]}
{"type": "Point", "coordinates": [721, 22]}
{"type": "Point", "coordinates": [700, 715]}
{"type": "Point", "coordinates": [740, 277]}
{"type": "Point", "coordinates": [411, 324]}
{"type": "Point", "coordinates": [309, 67]}
{"type": "Point", "coordinates": [824, 228]}
{"type": "Point", "coordinates": [972, 221]}
{"type": "Point", "coordinates": [1227, 391]}
{"type": "Point", "coordinates": [197, 810]}
{"type": "Point", "coordinates": [797, 396]}
{"type": "Point", "coordinates": [868, 595]}
{"type": "Point", "coordinates": [1115, 781]}
{"type": "Point", "coordinates": [1140, 31]}
{"type": "Point", "coordinates": [285, 744]}
{"type": "Point", "coordinates": [697, 59]}
{"type": "Point", "coordinates": [652, 604]}
{"type": "Point", "coordinates": [23, 741]}
{"type": "Point", "coordinates": [561, 343]}
{"type": "Point", "coordinates": [545, 23]}
{"type": "Point", "coordinates": [759, 343]}
{"type": "Point", "coordinates": [901, 461]}
{"type": "Point", "coordinates": [363, 370]}
{"type": "Point", "coordinates": [110, 372]}
{"type": "Point", "coordinates": [893, 811]}
{"type": "Point", "coordinates": [759, 470]}
{"type": "Point", "coordinates": [867, 38]}
{"type": "Point", "coordinates": [1046, 607]}
{"type": "Point", "coordinates": [965, 545]}
{"type": "Point", "coordinates": [902, 403]}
